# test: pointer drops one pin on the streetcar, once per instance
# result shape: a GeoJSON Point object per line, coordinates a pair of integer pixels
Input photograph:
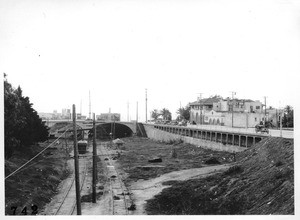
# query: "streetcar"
{"type": "Point", "coordinates": [82, 146]}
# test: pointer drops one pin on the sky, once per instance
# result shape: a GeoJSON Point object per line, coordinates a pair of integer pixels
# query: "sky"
{"type": "Point", "coordinates": [58, 51]}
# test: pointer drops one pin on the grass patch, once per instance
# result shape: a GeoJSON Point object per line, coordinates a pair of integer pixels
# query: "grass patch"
{"type": "Point", "coordinates": [139, 151]}
{"type": "Point", "coordinates": [36, 183]}
{"type": "Point", "coordinates": [234, 170]}
{"type": "Point", "coordinates": [197, 197]}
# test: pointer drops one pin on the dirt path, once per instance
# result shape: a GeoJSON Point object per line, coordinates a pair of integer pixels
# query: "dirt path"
{"type": "Point", "coordinates": [143, 190]}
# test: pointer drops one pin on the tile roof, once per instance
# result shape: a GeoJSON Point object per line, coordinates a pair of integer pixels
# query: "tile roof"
{"type": "Point", "coordinates": [210, 101]}
{"type": "Point", "coordinates": [207, 101]}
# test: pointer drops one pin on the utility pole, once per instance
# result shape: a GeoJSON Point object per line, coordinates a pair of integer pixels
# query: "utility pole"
{"type": "Point", "coordinates": [137, 116]}
{"type": "Point", "coordinates": [281, 115]}
{"type": "Point", "coordinates": [232, 93]}
{"type": "Point", "coordinates": [76, 163]}
{"type": "Point", "coordinates": [127, 111]}
{"type": "Point", "coordinates": [94, 160]}
{"type": "Point", "coordinates": [137, 111]}
{"type": "Point", "coordinates": [276, 119]}
{"type": "Point", "coordinates": [265, 111]}
{"type": "Point", "coordinates": [89, 104]}
{"type": "Point", "coordinates": [146, 106]}
{"type": "Point", "coordinates": [81, 107]}
{"type": "Point", "coordinates": [200, 97]}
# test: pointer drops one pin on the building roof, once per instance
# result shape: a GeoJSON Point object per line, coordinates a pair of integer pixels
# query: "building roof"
{"type": "Point", "coordinates": [207, 101]}
{"type": "Point", "coordinates": [210, 101]}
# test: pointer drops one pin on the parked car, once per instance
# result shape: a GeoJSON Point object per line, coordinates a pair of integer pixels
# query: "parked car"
{"type": "Point", "coordinates": [261, 129]}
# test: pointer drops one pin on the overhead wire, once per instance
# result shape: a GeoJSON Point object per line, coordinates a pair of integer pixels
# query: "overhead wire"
{"type": "Point", "coordinates": [14, 172]}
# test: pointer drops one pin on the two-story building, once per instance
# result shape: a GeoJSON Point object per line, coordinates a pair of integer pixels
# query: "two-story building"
{"type": "Point", "coordinates": [227, 112]}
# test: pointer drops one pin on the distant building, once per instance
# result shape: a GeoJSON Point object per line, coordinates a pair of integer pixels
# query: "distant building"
{"type": "Point", "coordinates": [56, 115]}
{"type": "Point", "coordinates": [66, 113]}
{"type": "Point", "coordinates": [219, 111]}
{"type": "Point", "coordinates": [45, 116]}
{"type": "Point", "coordinates": [273, 116]}
{"type": "Point", "coordinates": [107, 117]}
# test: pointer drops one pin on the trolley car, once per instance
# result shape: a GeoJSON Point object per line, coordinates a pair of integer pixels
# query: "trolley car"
{"type": "Point", "coordinates": [82, 146]}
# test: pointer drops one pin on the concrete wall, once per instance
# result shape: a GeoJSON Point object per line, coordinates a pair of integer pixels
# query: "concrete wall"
{"type": "Point", "coordinates": [160, 135]}
{"type": "Point", "coordinates": [243, 120]}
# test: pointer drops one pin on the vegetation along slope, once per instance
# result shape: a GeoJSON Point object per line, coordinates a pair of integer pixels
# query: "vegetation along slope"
{"type": "Point", "coordinates": [261, 182]}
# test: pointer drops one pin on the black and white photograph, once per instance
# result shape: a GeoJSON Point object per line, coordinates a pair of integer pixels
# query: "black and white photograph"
{"type": "Point", "coordinates": [149, 107]}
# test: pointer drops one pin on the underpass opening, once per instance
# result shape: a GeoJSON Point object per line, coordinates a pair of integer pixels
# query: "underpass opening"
{"type": "Point", "coordinates": [118, 131]}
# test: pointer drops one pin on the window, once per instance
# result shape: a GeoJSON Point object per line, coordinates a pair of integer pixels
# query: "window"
{"type": "Point", "coordinates": [257, 107]}
{"type": "Point", "coordinates": [255, 119]}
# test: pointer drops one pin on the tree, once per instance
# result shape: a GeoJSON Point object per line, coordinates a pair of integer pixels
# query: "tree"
{"type": "Point", "coordinates": [166, 114]}
{"type": "Point", "coordinates": [155, 114]}
{"type": "Point", "coordinates": [22, 125]}
{"type": "Point", "coordinates": [288, 117]}
{"type": "Point", "coordinates": [184, 113]}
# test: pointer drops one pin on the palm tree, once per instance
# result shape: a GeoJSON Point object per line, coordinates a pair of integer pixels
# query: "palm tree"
{"type": "Point", "coordinates": [155, 114]}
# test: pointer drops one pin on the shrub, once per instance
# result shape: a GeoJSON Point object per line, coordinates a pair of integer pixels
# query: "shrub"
{"type": "Point", "coordinates": [234, 170]}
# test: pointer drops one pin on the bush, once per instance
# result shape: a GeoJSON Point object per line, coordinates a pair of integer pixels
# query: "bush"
{"type": "Point", "coordinates": [278, 163]}
{"type": "Point", "coordinates": [234, 170]}
{"type": "Point", "coordinates": [212, 160]}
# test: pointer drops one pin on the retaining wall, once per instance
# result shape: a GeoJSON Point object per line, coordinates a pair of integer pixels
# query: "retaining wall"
{"type": "Point", "coordinates": [165, 136]}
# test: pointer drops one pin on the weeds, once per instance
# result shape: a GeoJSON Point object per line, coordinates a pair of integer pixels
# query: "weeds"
{"type": "Point", "coordinates": [234, 170]}
{"type": "Point", "coordinates": [278, 163]}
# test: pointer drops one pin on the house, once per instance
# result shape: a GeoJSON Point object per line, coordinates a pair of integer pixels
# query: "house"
{"type": "Point", "coordinates": [226, 112]}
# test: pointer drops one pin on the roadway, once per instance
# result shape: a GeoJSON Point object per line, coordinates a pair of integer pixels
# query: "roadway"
{"type": "Point", "coordinates": [272, 132]}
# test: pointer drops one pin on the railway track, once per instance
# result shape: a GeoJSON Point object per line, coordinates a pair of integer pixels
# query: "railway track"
{"type": "Point", "coordinates": [120, 199]}
{"type": "Point", "coordinates": [67, 205]}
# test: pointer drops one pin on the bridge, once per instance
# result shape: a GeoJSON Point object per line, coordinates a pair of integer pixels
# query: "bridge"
{"type": "Point", "coordinates": [216, 137]}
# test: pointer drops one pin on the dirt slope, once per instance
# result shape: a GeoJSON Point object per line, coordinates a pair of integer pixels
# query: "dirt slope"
{"type": "Point", "coordinates": [36, 183]}
{"type": "Point", "coordinates": [261, 182]}
{"type": "Point", "coordinates": [269, 169]}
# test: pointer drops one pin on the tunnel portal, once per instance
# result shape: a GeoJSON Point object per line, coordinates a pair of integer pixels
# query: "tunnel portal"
{"type": "Point", "coordinates": [118, 131]}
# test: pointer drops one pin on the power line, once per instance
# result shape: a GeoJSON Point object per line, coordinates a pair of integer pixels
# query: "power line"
{"type": "Point", "coordinates": [14, 172]}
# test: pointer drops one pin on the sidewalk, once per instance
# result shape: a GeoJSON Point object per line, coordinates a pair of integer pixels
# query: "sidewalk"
{"type": "Point", "coordinates": [272, 132]}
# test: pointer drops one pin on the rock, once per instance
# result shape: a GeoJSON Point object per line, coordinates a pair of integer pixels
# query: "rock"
{"type": "Point", "coordinates": [155, 160]}
{"type": "Point", "coordinates": [212, 160]}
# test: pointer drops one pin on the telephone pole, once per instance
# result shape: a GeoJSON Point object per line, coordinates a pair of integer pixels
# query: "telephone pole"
{"type": "Point", "coordinates": [137, 111]}
{"type": "Point", "coordinates": [76, 163]}
{"type": "Point", "coordinates": [265, 111]}
{"type": "Point", "coordinates": [232, 93]}
{"type": "Point", "coordinates": [146, 106]}
{"type": "Point", "coordinates": [200, 97]}
{"type": "Point", "coordinates": [89, 104]}
{"type": "Point", "coordinates": [281, 115]}
{"type": "Point", "coordinates": [81, 107]}
{"type": "Point", "coordinates": [127, 111]}
{"type": "Point", "coordinates": [94, 160]}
